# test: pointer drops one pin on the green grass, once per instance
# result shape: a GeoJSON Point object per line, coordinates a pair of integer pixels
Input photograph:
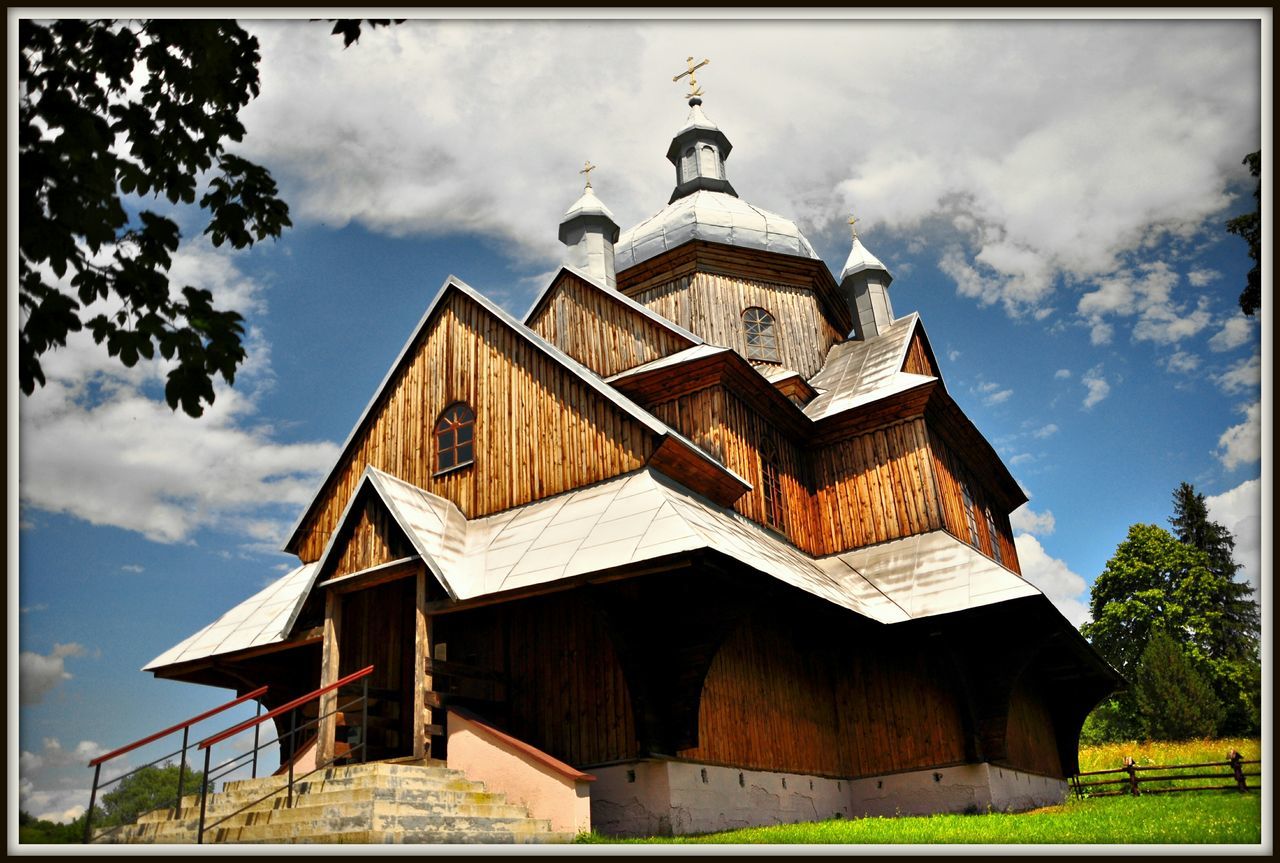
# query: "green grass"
{"type": "Point", "coordinates": [1200, 818]}
{"type": "Point", "coordinates": [1209, 817]}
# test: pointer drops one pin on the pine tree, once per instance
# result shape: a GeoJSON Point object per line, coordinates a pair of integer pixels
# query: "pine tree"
{"type": "Point", "coordinates": [1174, 701]}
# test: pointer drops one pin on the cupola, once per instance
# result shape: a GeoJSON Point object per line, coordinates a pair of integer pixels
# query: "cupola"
{"type": "Point", "coordinates": [589, 232]}
{"type": "Point", "coordinates": [864, 281]}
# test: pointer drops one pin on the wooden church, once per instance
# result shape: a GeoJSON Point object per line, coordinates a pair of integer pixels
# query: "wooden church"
{"type": "Point", "coordinates": [706, 523]}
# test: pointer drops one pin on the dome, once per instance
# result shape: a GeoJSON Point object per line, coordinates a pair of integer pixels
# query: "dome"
{"type": "Point", "coordinates": [713, 216]}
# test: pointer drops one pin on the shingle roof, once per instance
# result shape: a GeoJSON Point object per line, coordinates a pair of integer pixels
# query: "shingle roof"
{"type": "Point", "coordinates": [857, 372]}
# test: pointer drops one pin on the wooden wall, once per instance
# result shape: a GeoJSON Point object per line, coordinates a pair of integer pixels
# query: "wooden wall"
{"type": "Point", "coordinates": [711, 306]}
{"type": "Point", "coordinates": [373, 540]}
{"type": "Point", "coordinates": [539, 430]}
{"type": "Point", "coordinates": [599, 332]}
{"type": "Point", "coordinates": [918, 361]}
{"type": "Point", "coordinates": [568, 695]}
{"type": "Point", "coordinates": [1032, 745]}
{"type": "Point", "coordinates": [718, 421]}
{"type": "Point", "coordinates": [771, 702]}
{"type": "Point", "coordinates": [875, 487]}
{"type": "Point", "coordinates": [949, 471]}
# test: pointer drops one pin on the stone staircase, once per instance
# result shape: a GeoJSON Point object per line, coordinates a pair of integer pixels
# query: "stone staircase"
{"type": "Point", "coordinates": [364, 803]}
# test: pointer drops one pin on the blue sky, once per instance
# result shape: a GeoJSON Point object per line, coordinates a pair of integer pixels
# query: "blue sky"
{"type": "Point", "coordinates": [1049, 196]}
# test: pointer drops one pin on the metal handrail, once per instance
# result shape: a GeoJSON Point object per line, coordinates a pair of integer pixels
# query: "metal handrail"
{"type": "Point", "coordinates": [213, 773]}
{"type": "Point", "coordinates": [184, 727]}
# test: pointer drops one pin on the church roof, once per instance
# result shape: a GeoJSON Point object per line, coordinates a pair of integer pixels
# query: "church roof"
{"type": "Point", "coordinates": [630, 519]}
{"type": "Point", "coordinates": [860, 371]}
{"type": "Point", "coordinates": [614, 295]}
{"type": "Point", "coordinates": [262, 619]}
{"type": "Point", "coordinates": [713, 216]}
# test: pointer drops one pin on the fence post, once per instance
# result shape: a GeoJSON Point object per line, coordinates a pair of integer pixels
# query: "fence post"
{"type": "Point", "coordinates": [364, 720]}
{"type": "Point", "coordinates": [293, 742]}
{"type": "Point", "coordinates": [253, 773]}
{"type": "Point", "coordinates": [182, 768]}
{"type": "Point", "coordinates": [1133, 775]}
{"type": "Point", "coordinates": [1236, 758]}
{"type": "Point", "coordinates": [204, 796]}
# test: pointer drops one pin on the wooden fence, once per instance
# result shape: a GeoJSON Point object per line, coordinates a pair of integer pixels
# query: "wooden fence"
{"type": "Point", "coordinates": [1134, 777]}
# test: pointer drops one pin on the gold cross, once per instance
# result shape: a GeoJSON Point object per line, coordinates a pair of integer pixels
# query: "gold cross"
{"type": "Point", "coordinates": [693, 81]}
{"type": "Point", "coordinates": [587, 168]}
{"type": "Point", "coordinates": [853, 225]}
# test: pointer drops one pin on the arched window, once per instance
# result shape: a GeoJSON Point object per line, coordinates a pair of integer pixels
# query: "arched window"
{"type": "Point", "coordinates": [455, 437]}
{"type": "Point", "coordinates": [762, 337]}
{"type": "Point", "coordinates": [995, 538]}
{"type": "Point", "coordinates": [707, 162]}
{"type": "Point", "coordinates": [771, 486]}
{"type": "Point", "coordinates": [688, 166]}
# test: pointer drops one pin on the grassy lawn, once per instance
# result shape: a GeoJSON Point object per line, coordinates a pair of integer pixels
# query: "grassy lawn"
{"type": "Point", "coordinates": [1211, 817]}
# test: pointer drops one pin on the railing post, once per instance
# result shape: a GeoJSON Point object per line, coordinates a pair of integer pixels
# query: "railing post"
{"type": "Point", "coordinates": [204, 796]}
{"type": "Point", "coordinates": [1133, 775]}
{"type": "Point", "coordinates": [253, 773]}
{"type": "Point", "coordinates": [364, 719]}
{"type": "Point", "coordinates": [1235, 759]}
{"type": "Point", "coordinates": [93, 797]}
{"type": "Point", "coordinates": [293, 742]}
{"type": "Point", "coordinates": [182, 766]}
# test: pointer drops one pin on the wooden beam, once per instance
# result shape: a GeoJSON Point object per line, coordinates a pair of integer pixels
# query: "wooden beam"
{"type": "Point", "coordinates": [329, 674]}
{"type": "Point", "coordinates": [421, 679]}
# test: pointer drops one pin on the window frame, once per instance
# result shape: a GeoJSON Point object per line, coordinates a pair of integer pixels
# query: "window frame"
{"type": "Point", "coordinates": [771, 332]}
{"type": "Point", "coordinates": [455, 426]}
{"type": "Point", "coordinates": [993, 533]}
{"type": "Point", "coordinates": [772, 501]}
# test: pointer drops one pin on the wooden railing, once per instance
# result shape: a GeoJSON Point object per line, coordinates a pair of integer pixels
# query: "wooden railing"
{"type": "Point", "coordinates": [1134, 776]}
{"type": "Point", "coordinates": [185, 728]}
{"type": "Point", "coordinates": [459, 684]}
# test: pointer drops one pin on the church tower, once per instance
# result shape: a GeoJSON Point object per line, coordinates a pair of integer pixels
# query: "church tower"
{"type": "Point", "coordinates": [864, 281]}
{"type": "Point", "coordinates": [589, 231]}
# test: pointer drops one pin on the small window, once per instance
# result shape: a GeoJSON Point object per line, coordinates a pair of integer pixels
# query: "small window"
{"type": "Point", "coordinates": [970, 514]}
{"type": "Point", "coordinates": [771, 486]}
{"type": "Point", "coordinates": [688, 166]}
{"type": "Point", "coordinates": [707, 162]}
{"type": "Point", "coordinates": [995, 538]}
{"type": "Point", "coordinates": [455, 437]}
{"type": "Point", "coordinates": [762, 336]}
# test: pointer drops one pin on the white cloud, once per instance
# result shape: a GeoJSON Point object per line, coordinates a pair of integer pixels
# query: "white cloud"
{"type": "Point", "coordinates": [1236, 330]}
{"type": "Point", "coordinates": [1021, 459]}
{"type": "Point", "coordinates": [953, 355]}
{"type": "Point", "coordinates": [1026, 520]}
{"type": "Point", "coordinates": [132, 567]}
{"type": "Point", "coordinates": [1147, 294]}
{"type": "Point", "coordinates": [1201, 277]}
{"type": "Point", "coordinates": [1182, 362]}
{"type": "Point", "coordinates": [38, 673]}
{"type": "Point", "coordinates": [1057, 165]}
{"type": "Point", "coordinates": [1242, 444]}
{"type": "Point", "coordinates": [98, 445]}
{"type": "Point", "coordinates": [1065, 589]}
{"type": "Point", "coordinates": [1045, 431]}
{"type": "Point", "coordinates": [28, 609]}
{"type": "Point", "coordinates": [1246, 374]}
{"type": "Point", "coordinates": [992, 394]}
{"type": "Point", "coordinates": [1097, 386]}
{"type": "Point", "coordinates": [1062, 374]}
{"type": "Point", "coordinates": [1239, 510]}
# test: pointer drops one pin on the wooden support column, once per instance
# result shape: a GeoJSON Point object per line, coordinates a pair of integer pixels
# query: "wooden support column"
{"type": "Point", "coordinates": [328, 674]}
{"type": "Point", "coordinates": [421, 679]}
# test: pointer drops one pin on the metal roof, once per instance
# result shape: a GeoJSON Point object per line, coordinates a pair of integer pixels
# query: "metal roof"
{"type": "Point", "coordinates": [861, 371]}
{"type": "Point", "coordinates": [713, 216]}
{"type": "Point", "coordinates": [630, 519]}
{"type": "Point", "coordinates": [264, 618]}
{"type": "Point", "coordinates": [860, 258]}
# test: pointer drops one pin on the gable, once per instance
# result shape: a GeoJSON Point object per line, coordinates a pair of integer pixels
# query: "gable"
{"type": "Point", "coordinates": [539, 429]}
{"type": "Point", "coordinates": [602, 329]}
{"type": "Point", "coordinates": [368, 537]}
{"type": "Point", "coordinates": [919, 359]}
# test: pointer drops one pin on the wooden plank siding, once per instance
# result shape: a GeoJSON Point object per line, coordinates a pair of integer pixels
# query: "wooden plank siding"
{"type": "Point", "coordinates": [711, 306]}
{"type": "Point", "coordinates": [772, 703]}
{"type": "Point", "coordinates": [719, 422]}
{"type": "Point", "coordinates": [373, 540]}
{"type": "Point", "coordinates": [568, 694]}
{"type": "Point", "coordinates": [949, 471]}
{"type": "Point", "coordinates": [875, 487]}
{"type": "Point", "coordinates": [539, 430]}
{"type": "Point", "coordinates": [1032, 743]}
{"type": "Point", "coordinates": [602, 333]}
{"type": "Point", "coordinates": [918, 360]}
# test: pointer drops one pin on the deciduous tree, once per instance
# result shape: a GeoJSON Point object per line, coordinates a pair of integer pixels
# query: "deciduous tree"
{"type": "Point", "coordinates": [1249, 228]}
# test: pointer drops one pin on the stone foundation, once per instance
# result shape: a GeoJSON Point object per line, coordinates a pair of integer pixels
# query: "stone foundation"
{"type": "Point", "coordinates": [676, 797]}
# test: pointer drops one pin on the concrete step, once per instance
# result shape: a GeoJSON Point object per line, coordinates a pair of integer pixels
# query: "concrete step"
{"type": "Point", "coordinates": [435, 799]}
